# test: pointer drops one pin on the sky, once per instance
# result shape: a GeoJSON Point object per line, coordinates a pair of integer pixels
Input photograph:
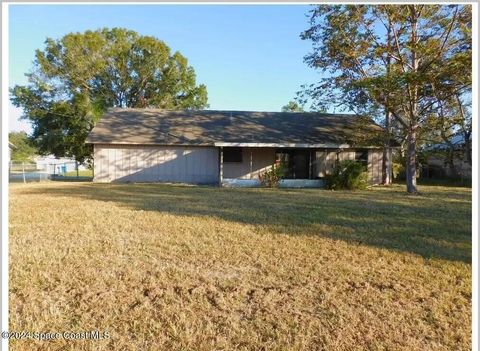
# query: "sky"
{"type": "Point", "coordinates": [250, 57]}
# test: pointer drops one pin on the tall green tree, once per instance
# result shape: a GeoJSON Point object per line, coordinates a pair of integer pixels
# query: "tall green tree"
{"type": "Point", "coordinates": [76, 78]}
{"type": "Point", "coordinates": [400, 59]}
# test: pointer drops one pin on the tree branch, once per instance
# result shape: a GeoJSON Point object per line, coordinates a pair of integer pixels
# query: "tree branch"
{"type": "Point", "coordinates": [442, 47]}
{"type": "Point", "coordinates": [397, 46]}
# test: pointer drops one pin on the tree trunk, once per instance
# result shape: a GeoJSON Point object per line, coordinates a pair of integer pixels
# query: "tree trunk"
{"type": "Point", "coordinates": [411, 160]}
{"type": "Point", "coordinates": [387, 160]}
{"type": "Point", "coordinates": [385, 166]}
{"type": "Point", "coordinates": [413, 97]}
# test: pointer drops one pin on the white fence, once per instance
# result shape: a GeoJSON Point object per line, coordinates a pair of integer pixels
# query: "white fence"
{"type": "Point", "coordinates": [34, 172]}
{"type": "Point", "coordinates": [25, 172]}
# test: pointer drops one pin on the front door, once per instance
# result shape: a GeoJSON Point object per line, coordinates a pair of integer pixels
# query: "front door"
{"type": "Point", "coordinates": [296, 162]}
{"type": "Point", "coordinates": [300, 165]}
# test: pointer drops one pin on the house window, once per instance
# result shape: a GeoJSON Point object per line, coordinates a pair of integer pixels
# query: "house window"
{"type": "Point", "coordinates": [232, 154]}
{"type": "Point", "coordinates": [361, 156]}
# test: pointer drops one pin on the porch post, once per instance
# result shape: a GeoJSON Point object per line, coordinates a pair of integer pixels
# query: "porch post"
{"type": "Point", "coordinates": [251, 163]}
{"type": "Point", "coordinates": [389, 166]}
{"type": "Point", "coordinates": [309, 164]}
{"type": "Point", "coordinates": [220, 176]}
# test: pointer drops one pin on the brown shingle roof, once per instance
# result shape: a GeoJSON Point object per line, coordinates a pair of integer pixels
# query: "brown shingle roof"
{"type": "Point", "coordinates": [162, 127]}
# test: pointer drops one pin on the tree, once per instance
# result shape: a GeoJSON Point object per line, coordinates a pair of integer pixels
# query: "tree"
{"type": "Point", "coordinates": [292, 106]}
{"type": "Point", "coordinates": [23, 151]}
{"type": "Point", "coordinates": [400, 59]}
{"type": "Point", "coordinates": [76, 78]}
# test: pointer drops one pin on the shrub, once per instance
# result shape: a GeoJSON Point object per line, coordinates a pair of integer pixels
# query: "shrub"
{"type": "Point", "coordinates": [271, 178]}
{"type": "Point", "coordinates": [347, 175]}
{"type": "Point", "coordinates": [398, 170]}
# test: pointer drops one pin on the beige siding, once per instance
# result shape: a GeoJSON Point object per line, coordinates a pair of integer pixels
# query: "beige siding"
{"type": "Point", "coordinates": [263, 158]}
{"type": "Point", "coordinates": [155, 164]}
{"type": "Point", "coordinates": [375, 166]}
{"type": "Point", "coordinates": [200, 164]}
{"type": "Point", "coordinates": [325, 160]}
{"type": "Point", "coordinates": [330, 161]}
{"type": "Point", "coordinates": [319, 169]}
{"type": "Point", "coordinates": [346, 154]}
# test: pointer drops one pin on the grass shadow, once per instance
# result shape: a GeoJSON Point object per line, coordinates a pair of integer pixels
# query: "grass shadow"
{"type": "Point", "coordinates": [434, 224]}
{"type": "Point", "coordinates": [57, 178]}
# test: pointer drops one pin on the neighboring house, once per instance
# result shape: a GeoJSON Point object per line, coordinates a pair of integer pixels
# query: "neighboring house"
{"type": "Point", "coordinates": [53, 165]}
{"type": "Point", "coordinates": [228, 147]}
{"type": "Point", "coordinates": [437, 155]}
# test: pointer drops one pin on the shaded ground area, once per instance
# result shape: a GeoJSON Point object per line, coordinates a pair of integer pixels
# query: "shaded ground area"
{"type": "Point", "coordinates": [433, 224]}
{"type": "Point", "coordinates": [179, 267]}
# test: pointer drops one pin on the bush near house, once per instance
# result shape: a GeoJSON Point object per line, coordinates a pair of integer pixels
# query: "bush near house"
{"type": "Point", "coordinates": [271, 178]}
{"type": "Point", "coordinates": [349, 175]}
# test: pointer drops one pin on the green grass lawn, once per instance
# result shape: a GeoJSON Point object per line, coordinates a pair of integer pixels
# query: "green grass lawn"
{"type": "Point", "coordinates": [83, 173]}
{"type": "Point", "coordinates": [200, 268]}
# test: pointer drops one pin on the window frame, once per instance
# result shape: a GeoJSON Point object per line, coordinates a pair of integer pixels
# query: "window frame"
{"type": "Point", "coordinates": [363, 160]}
{"type": "Point", "coordinates": [237, 149]}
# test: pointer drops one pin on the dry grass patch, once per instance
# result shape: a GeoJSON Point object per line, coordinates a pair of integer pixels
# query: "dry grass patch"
{"type": "Point", "coordinates": [198, 268]}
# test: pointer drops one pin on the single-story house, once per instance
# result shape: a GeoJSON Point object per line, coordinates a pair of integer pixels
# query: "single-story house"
{"type": "Point", "coordinates": [230, 148]}
{"type": "Point", "coordinates": [437, 156]}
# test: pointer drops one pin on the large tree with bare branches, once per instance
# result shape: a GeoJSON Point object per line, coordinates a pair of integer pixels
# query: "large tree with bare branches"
{"type": "Point", "coordinates": [403, 60]}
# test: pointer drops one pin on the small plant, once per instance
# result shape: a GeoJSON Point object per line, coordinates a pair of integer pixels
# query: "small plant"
{"type": "Point", "coordinates": [271, 178]}
{"type": "Point", "coordinates": [347, 175]}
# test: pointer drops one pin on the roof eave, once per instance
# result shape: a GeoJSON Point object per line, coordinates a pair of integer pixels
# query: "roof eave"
{"type": "Point", "coordinates": [283, 145]}
{"type": "Point", "coordinates": [243, 144]}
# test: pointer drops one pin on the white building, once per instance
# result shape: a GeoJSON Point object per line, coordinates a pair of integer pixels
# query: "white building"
{"type": "Point", "coordinates": [52, 165]}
